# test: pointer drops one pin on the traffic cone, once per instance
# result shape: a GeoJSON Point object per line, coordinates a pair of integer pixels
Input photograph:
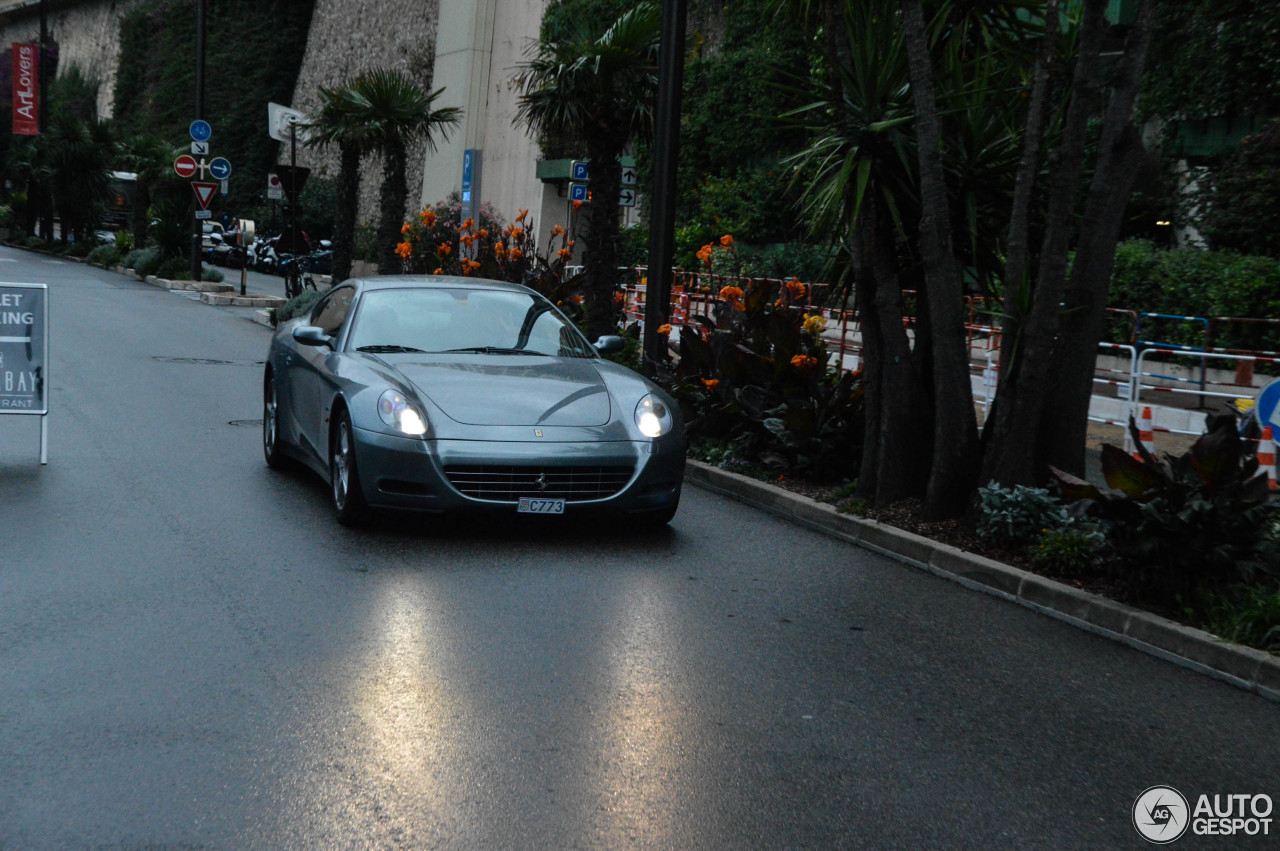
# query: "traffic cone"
{"type": "Point", "coordinates": [1146, 434]}
{"type": "Point", "coordinates": [1267, 458]}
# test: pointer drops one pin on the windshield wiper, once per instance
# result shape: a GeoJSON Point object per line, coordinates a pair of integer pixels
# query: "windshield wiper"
{"type": "Point", "coordinates": [496, 350]}
{"type": "Point", "coordinates": [388, 349]}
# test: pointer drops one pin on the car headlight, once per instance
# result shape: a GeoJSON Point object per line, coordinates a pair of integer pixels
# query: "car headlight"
{"type": "Point", "coordinates": [396, 412]}
{"type": "Point", "coordinates": [652, 417]}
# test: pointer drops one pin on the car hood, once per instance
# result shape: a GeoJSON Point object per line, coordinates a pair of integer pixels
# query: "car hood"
{"type": "Point", "coordinates": [513, 390]}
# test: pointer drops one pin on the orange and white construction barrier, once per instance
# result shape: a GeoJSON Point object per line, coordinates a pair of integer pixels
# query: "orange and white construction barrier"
{"type": "Point", "coordinates": [1267, 458]}
{"type": "Point", "coordinates": [1146, 433]}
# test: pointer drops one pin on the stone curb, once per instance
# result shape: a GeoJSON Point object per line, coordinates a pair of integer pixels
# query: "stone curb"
{"type": "Point", "coordinates": [1253, 670]}
{"type": "Point", "coordinates": [228, 299]}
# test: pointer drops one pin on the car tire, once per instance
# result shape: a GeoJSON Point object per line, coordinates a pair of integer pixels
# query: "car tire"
{"type": "Point", "coordinates": [344, 475]}
{"type": "Point", "coordinates": [271, 450]}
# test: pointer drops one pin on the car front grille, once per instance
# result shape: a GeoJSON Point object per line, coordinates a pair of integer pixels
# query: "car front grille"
{"type": "Point", "coordinates": [502, 483]}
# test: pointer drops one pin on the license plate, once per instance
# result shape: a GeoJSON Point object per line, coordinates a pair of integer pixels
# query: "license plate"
{"type": "Point", "coordinates": [530, 505]}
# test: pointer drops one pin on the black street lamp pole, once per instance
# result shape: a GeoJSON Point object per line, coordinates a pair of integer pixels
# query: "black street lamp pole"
{"type": "Point", "coordinates": [196, 228]}
{"type": "Point", "coordinates": [657, 306]}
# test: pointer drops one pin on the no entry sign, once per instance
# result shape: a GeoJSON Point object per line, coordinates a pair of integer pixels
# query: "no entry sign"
{"type": "Point", "coordinates": [185, 165]}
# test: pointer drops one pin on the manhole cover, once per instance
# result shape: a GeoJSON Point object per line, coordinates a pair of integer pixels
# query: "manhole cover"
{"type": "Point", "coordinates": [254, 423]}
{"type": "Point", "coordinates": [210, 361]}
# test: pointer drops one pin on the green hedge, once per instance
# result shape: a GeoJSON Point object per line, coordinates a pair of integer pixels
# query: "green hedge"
{"type": "Point", "coordinates": [1192, 282]}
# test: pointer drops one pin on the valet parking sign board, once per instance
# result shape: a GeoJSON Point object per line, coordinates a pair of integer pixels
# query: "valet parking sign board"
{"type": "Point", "coordinates": [26, 83]}
{"type": "Point", "coordinates": [24, 353]}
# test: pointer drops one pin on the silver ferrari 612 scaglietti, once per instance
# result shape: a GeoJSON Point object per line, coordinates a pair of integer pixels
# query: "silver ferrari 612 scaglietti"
{"type": "Point", "coordinates": [437, 393]}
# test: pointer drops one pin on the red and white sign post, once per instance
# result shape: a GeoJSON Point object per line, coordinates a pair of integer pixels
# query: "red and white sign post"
{"type": "Point", "coordinates": [26, 86]}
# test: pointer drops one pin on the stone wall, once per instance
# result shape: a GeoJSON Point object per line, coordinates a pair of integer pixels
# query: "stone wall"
{"type": "Point", "coordinates": [347, 38]}
{"type": "Point", "coordinates": [87, 35]}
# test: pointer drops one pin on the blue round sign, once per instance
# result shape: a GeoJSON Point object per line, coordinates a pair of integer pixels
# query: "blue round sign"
{"type": "Point", "coordinates": [1266, 406]}
{"type": "Point", "coordinates": [220, 168]}
{"type": "Point", "coordinates": [200, 130]}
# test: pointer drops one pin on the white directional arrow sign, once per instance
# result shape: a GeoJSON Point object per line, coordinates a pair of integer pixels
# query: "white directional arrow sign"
{"type": "Point", "coordinates": [628, 175]}
{"type": "Point", "coordinates": [627, 198]}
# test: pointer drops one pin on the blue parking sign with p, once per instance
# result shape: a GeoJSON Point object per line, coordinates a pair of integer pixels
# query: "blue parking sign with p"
{"type": "Point", "coordinates": [577, 192]}
{"type": "Point", "coordinates": [579, 172]}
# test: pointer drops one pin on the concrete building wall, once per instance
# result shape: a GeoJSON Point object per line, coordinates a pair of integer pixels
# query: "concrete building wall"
{"type": "Point", "coordinates": [480, 43]}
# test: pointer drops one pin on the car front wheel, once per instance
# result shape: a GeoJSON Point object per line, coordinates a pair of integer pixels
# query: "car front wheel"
{"type": "Point", "coordinates": [348, 497]}
{"type": "Point", "coordinates": [271, 425]}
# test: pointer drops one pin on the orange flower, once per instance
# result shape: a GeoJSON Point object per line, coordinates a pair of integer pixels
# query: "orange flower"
{"type": "Point", "coordinates": [704, 254]}
{"type": "Point", "coordinates": [664, 330]}
{"type": "Point", "coordinates": [805, 362]}
{"type": "Point", "coordinates": [404, 249]}
{"type": "Point", "coordinates": [484, 234]}
{"type": "Point", "coordinates": [519, 234]}
{"type": "Point", "coordinates": [577, 205]}
{"type": "Point", "coordinates": [523, 213]}
{"type": "Point", "coordinates": [711, 383]}
{"type": "Point", "coordinates": [500, 250]}
{"type": "Point", "coordinates": [404, 228]}
{"type": "Point", "coordinates": [795, 288]}
{"type": "Point", "coordinates": [726, 241]}
{"type": "Point", "coordinates": [445, 248]}
{"type": "Point", "coordinates": [576, 299]}
{"type": "Point", "coordinates": [469, 224]}
{"type": "Point", "coordinates": [467, 239]}
{"type": "Point", "coordinates": [731, 294]}
{"type": "Point", "coordinates": [516, 254]}
{"type": "Point", "coordinates": [438, 271]}
{"type": "Point", "coordinates": [619, 300]}
{"type": "Point", "coordinates": [557, 231]}
{"type": "Point", "coordinates": [428, 218]}
{"type": "Point", "coordinates": [778, 303]}
{"type": "Point", "coordinates": [469, 266]}
{"type": "Point", "coordinates": [564, 254]}
{"type": "Point", "coordinates": [571, 243]}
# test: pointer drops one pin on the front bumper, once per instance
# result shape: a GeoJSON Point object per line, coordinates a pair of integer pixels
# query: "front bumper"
{"type": "Point", "coordinates": [407, 473]}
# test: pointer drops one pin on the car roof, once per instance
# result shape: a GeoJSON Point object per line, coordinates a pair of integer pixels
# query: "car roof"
{"type": "Point", "coordinates": [392, 282]}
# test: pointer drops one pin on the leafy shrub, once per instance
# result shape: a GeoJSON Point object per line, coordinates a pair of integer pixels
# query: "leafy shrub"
{"type": "Point", "coordinates": [756, 374]}
{"type": "Point", "coordinates": [299, 305]}
{"type": "Point", "coordinates": [35, 242]}
{"type": "Point", "coordinates": [1192, 282]}
{"type": "Point", "coordinates": [1014, 517]}
{"type": "Point", "coordinates": [79, 249]}
{"type": "Point", "coordinates": [144, 261]}
{"type": "Point", "coordinates": [1069, 550]}
{"type": "Point", "coordinates": [1244, 614]}
{"type": "Point", "coordinates": [106, 256]}
{"type": "Point", "coordinates": [7, 216]}
{"type": "Point", "coordinates": [208, 273]}
{"type": "Point", "coordinates": [1196, 522]}
{"type": "Point", "coordinates": [366, 248]}
{"type": "Point", "coordinates": [124, 241]}
{"type": "Point", "coordinates": [174, 269]}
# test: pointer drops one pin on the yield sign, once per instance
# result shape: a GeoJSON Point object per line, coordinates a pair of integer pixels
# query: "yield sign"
{"type": "Point", "coordinates": [204, 192]}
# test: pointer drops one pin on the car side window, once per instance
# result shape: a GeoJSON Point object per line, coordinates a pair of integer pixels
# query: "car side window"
{"type": "Point", "coordinates": [330, 313]}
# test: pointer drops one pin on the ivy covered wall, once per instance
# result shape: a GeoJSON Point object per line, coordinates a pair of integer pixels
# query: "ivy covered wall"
{"type": "Point", "coordinates": [253, 50]}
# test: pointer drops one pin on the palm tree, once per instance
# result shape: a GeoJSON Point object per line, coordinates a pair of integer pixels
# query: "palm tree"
{"type": "Point", "coordinates": [386, 111]}
{"type": "Point", "coordinates": [151, 158]}
{"type": "Point", "coordinates": [339, 122]}
{"type": "Point", "coordinates": [598, 87]}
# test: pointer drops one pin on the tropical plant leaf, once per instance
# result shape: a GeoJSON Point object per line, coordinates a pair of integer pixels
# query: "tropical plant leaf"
{"type": "Point", "coordinates": [1127, 474]}
{"type": "Point", "coordinates": [1075, 489]}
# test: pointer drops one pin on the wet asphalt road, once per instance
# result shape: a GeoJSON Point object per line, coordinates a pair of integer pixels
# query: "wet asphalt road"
{"type": "Point", "coordinates": [194, 655]}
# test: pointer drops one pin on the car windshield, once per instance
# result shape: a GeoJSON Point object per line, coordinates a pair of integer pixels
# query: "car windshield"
{"type": "Point", "coordinates": [488, 322]}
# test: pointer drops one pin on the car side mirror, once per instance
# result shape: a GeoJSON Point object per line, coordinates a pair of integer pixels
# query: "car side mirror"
{"type": "Point", "coordinates": [609, 344]}
{"type": "Point", "coordinates": [310, 335]}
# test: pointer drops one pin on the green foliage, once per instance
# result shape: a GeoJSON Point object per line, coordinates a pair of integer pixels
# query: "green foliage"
{"type": "Point", "coordinates": [1192, 282]}
{"type": "Point", "coordinates": [7, 216]}
{"type": "Point", "coordinates": [106, 256]}
{"type": "Point", "coordinates": [299, 305]}
{"type": "Point", "coordinates": [212, 275]}
{"type": "Point", "coordinates": [81, 248]}
{"type": "Point", "coordinates": [1185, 524]}
{"type": "Point", "coordinates": [124, 242]}
{"type": "Point", "coordinates": [367, 243]}
{"type": "Point", "coordinates": [1217, 57]}
{"type": "Point", "coordinates": [36, 243]}
{"type": "Point", "coordinates": [144, 261]}
{"type": "Point", "coordinates": [1244, 203]}
{"type": "Point", "coordinates": [1068, 551]}
{"type": "Point", "coordinates": [1243, 614]}
{"type": "Point", "coordinates": [1014, 517]}
{"type": "Point", "coordinates": [254, 50]}
{"type": "Point", "coordinates": [633, 246]}
{"type": "Point", "coordinates": [174, 269]}
{"type": "Point", "coordinates": [757, 375]}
